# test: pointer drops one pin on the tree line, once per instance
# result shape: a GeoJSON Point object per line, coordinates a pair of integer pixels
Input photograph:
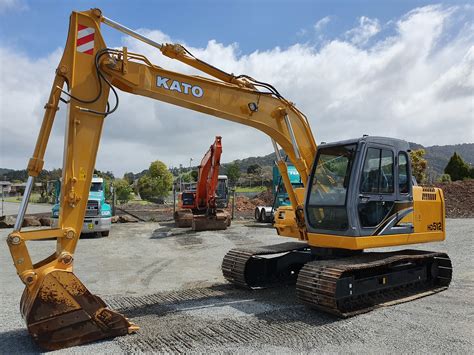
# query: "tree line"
{"type": "Point", "coordinates": [456, 169]}
{"type": "Point", "coordinates": [155, 183]}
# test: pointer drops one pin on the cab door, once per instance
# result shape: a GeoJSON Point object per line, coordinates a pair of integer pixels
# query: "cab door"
{"type": "Point", "coordinates": [404, 201]}
{"type": "Point", "coordinates": [377, 192]}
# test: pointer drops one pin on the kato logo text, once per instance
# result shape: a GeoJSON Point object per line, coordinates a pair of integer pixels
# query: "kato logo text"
{"type": "Point", "coordinates": [175, 85]}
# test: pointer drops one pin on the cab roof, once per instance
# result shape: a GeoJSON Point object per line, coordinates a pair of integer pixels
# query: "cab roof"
{"type": "Point", "coordinates": [399, 144]}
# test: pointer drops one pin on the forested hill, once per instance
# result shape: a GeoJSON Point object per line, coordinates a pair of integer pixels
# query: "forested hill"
{"type": "Point", "coordinates": [4, 172]}
{"type": "Point", "coordinates": [437, 157]}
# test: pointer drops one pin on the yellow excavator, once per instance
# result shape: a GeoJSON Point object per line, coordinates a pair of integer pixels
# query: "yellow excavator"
{"type": "Point", "coordinates": [358, 194]}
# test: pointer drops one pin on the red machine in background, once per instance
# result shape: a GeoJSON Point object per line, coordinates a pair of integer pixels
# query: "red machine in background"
{"type": "Point", "coordinates": [201, 208]}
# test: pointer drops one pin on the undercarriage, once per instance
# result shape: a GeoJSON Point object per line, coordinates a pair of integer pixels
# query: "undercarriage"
{"type": "Point", "coordinates": [344, 283]}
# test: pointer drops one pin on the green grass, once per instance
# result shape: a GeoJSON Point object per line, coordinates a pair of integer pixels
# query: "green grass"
{"type": "Point", "coordinates": [140, 202]}
{"type": "Point", "coordinates": [12, 199]}
{"type": "Point", "coordinates": [251, 189]}
{"type": "Point", "coordinates": [34, 198]}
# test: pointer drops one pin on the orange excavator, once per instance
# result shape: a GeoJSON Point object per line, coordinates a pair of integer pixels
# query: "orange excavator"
{"type": "Point", "coordinates": [199, 208]}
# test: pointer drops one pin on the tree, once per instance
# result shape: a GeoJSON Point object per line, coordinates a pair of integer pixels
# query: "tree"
{"type": "Point", "coordinates": [418, 165]}
{"type": "Point", "coordinates": [444, 178]}
{"type": "Point", "coordinates": [156, 183]}
{"type": "Point", "coordinates": [186, 177]}
{"type": "Point", "coordinates": [254, 169]}
{"type": "Point", "coordinates": [457, 168]}
{"type": "Point", "coordinates": [123, 190]}
{"type": "Point", "coordinates": [129, 177]}
{"type": "Point", "coordinates": [105, 175]}
{"type": "Point", "coordinates": [194, 175]}
{"type": "Point", "coordinates": [233, 172]}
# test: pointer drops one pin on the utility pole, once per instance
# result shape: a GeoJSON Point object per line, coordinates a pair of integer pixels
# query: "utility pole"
{"type": "Point", "coordinates": [2, 199]}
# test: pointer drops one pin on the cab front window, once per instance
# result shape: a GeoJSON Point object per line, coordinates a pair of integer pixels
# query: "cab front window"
{"type": "Point", "coordinates": [96, 187]}
{"type": "Point", "coordinates": [329, 184]}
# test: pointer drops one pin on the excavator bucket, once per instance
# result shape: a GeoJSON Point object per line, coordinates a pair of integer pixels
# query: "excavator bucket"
{"type": "Point", "coordinates": [61, 312]}
{"type": "Point", "coordinates": [183, 218]}
{"type": "Point", "coordinates": [209, 223]}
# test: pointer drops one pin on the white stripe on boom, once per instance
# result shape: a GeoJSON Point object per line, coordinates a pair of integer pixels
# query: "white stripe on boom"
{"type": "Point", "coordinates": [86, 46]}
{"type": "Point", "coordinates": [85, 32]}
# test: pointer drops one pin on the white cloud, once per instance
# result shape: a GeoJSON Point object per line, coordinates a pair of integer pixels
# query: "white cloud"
{"type": "Point", "coordinates": [319, 25]}
{"type": "Point", "coordinates": [411, 85]}
{"type": "Point", "coordinates": [361, 34]}
{"type": "Point", "coordinates": [14, 5]}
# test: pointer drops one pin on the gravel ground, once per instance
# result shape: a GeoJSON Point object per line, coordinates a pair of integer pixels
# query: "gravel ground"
{"type": "Point", "coordinates": [168, 281]}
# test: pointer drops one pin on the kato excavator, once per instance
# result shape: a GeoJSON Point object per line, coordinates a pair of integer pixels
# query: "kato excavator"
{"type": "Point", "coordinates": [199, 208]}
{"type": "Point", "coordinates": [358, 194]}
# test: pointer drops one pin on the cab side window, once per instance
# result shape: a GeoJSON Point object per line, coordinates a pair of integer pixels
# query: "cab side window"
{"type": "Point", "coordinates": [403, 182]}
{"type": "Point", "coordinates": [377, 176]}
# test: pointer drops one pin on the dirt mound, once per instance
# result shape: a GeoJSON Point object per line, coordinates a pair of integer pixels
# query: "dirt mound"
{"type": "Point", "coordinates": [243, 203]}
{"type": "Point", "coordinates": [264, 198]}
{"type": "Point", "coordinates": [459, 198]}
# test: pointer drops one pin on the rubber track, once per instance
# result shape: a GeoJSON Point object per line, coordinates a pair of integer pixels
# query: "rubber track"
{"type": "Point", "coordinates": [234, 262]}
{"type": "Point", "coordinates": [317, 280]}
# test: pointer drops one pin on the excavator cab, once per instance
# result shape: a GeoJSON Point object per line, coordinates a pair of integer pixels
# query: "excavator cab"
{"type": "Point", "coordinates": [222, 192]}
{"type": "Point", "coordinates": [361, 187]}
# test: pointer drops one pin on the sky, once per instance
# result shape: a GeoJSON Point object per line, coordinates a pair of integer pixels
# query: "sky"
{"type": "Point", "coordinates": [401, 69]}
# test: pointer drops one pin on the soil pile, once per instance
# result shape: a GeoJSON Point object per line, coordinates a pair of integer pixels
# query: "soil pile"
{"type": "Point", "coordinates": [265, 197]}
{"type": "Point", "coordinates": [459, 198]}
{"type": "Point", "coordinates": [243, 203]}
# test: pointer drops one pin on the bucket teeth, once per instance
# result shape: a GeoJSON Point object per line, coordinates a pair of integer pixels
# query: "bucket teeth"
{"type": "Point", "coordinates": [63, 313]}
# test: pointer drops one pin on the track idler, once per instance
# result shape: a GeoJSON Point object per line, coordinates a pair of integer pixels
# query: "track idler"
{"type": "Point", "coordinates": [61, 312]}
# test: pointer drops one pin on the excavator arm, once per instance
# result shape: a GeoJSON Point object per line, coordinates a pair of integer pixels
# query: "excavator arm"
{"type": "Point", "coordinates": [58, 308]}
{"type": "Point", "coordinates": [208, 177]}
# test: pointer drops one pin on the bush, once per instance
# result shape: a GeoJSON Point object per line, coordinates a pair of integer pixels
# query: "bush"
{"type": "Point", "coordinates": [418, 165]}
{"type": "Point", "coordinates": [457, 168]}
{"type": "Point", "coordinates": [156, 183]}
{"type": "Point", "coordinates": [444, 178]}
{"type": "Point", "coordinates": [123, 190]}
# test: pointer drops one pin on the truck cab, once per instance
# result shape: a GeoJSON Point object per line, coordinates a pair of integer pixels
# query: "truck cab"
{"type": "Point", "coordinates": [279, 191]}
{"type": "Point", "coordinates": [98, 218]}
{"type": "Point", "coordinates": [280, 195]}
